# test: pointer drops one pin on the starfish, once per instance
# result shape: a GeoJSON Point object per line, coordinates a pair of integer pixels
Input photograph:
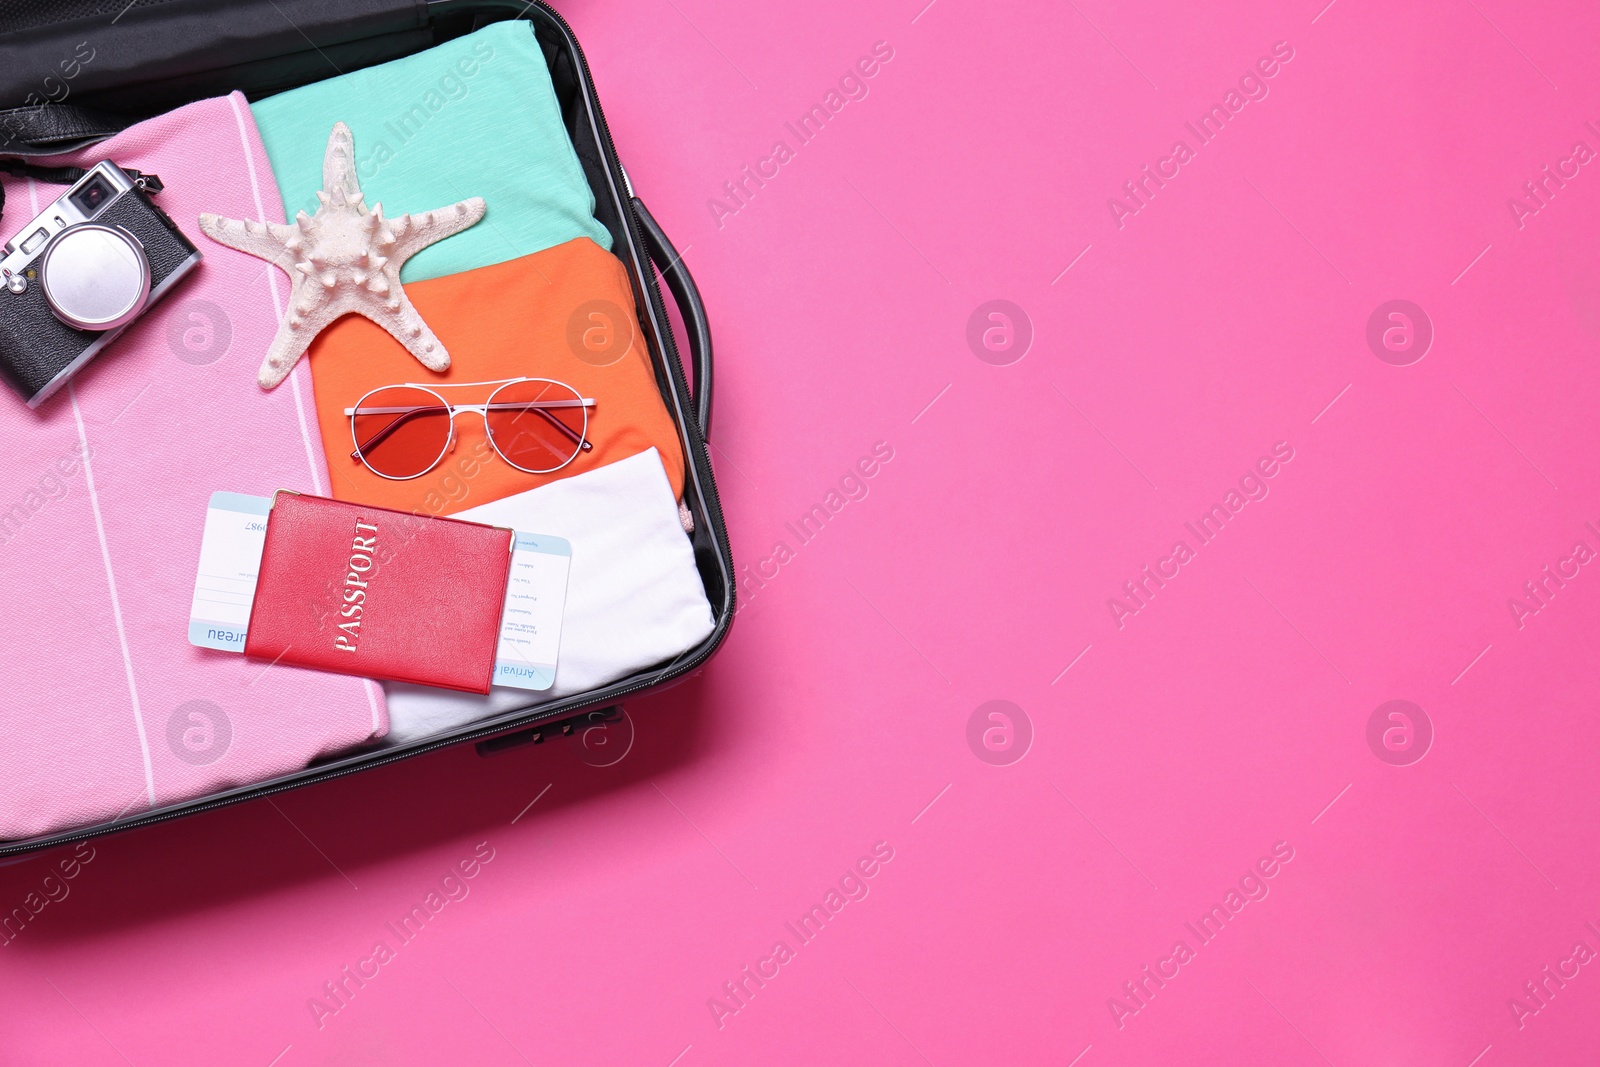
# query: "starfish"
{"type": "Point", "coordinates": [344, 259]}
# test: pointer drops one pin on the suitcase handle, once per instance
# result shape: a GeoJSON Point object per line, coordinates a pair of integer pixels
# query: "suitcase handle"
{"type": "Point", "coordinates": [690, 306]}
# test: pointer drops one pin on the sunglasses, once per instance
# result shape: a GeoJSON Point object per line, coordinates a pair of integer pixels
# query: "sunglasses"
{"type": "Point", "coordinates": [535, 424]}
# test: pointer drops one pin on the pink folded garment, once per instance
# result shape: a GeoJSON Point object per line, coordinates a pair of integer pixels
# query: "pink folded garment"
{"type": "Point", "coordinates": [106, 708]}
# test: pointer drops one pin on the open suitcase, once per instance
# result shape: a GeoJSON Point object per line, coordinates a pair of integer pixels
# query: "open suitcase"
{"type": "Point", "coordinates": [170, 52]}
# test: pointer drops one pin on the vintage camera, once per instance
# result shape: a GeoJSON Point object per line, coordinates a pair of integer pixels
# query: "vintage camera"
{"type": "Point", "coordinates": [75, 277]}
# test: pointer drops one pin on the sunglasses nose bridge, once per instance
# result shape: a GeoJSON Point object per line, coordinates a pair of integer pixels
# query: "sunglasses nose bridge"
{"type": "Point", "coordinates": [481, 410]}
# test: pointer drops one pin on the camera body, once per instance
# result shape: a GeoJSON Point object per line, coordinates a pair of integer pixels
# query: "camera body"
{"type": "Point", "coordinates": [77, 275]}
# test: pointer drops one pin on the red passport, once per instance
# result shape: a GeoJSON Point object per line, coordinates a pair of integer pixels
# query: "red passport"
{"type": "Point", "coordinates": [379, 593]}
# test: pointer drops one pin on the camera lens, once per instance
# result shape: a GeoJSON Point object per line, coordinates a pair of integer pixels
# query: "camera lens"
{"type": "Point", "coordinates": [92, 195]}
{"type": "Point", "coordinates": [95, 277]}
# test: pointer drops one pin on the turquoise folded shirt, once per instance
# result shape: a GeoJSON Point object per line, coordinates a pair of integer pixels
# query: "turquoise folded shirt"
{"type": "Point", "coordinates": [476, 116]}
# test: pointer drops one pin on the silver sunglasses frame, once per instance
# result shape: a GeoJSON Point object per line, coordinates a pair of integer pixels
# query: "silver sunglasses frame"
{"type": "Point", "coordinates": [482, 409]}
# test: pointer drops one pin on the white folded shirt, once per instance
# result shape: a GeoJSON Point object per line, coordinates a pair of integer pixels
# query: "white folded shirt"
{"type": "Point", "coordinates": [634, 595]}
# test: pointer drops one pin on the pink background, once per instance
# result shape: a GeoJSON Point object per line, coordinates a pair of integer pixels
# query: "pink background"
{"type": "Point", "coordinates": [1226, 716]}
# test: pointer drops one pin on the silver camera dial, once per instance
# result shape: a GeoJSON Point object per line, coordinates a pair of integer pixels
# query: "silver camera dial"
{"type": "Point", "coordinates": [95, 277]}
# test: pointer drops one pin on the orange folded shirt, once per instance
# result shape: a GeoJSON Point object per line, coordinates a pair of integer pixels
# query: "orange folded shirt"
{"type": "Point", "coordinates": [566, 313]}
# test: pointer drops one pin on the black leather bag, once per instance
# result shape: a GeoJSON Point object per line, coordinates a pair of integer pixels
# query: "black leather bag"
{"type": "Point", "coordinates": [151, 55]}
